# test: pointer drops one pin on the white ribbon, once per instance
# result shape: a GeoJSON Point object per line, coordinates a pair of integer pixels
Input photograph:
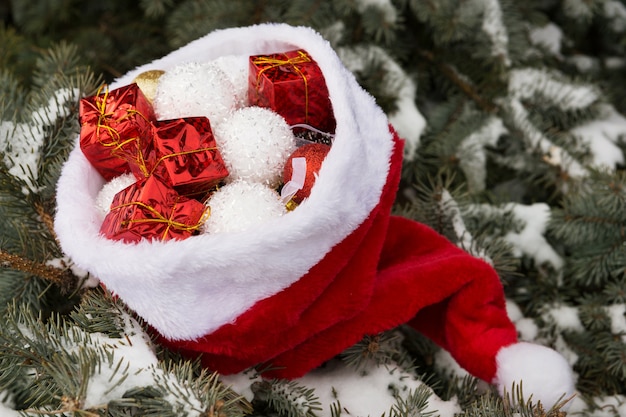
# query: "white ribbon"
{"type": "Point", "coordinates": [298, 174]}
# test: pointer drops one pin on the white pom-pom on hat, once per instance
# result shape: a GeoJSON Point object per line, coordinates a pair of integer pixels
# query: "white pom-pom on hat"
{"type": "Point", "coordinates": [542, 372]}
{"type": "Point", "coordinates": [241, 205]}
{"type": "Point", "coordinates": [110, 189]}
{"type": "Point", "coordinates": [255, 143]}
{"type": "Point", "coordinates": [194, 89]}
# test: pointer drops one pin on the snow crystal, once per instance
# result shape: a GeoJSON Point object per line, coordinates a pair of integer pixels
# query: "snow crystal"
{"type": "Point", "coordinates": [466, 240]}
{"type": "Point", "coordinates": [565, 317]}
{"type": "Point", "coordinates": [22, 142]}
{"type": "Point", "coordinates": [526, 327]}
{"type": "Point", "coordinates": [615, 12]}
{"type": "Point", "coordinates": [385, 7]}
{"type": "Point", "coordinates": [602, 136]}
{"type": "Point", "coordinates": [472, 152]}
{"type": "Point", "coordinates": [583, 63]}
{"type": "Point", "coordinates": [554, 154]}
{"type": "Point", "coordinates": [360, 394]}
{"type": "Point", "coordinates": [561, 346]}
{"type": "Point", "coordinates": [610, 406]}
{"type": "Point", "coordinates": [526, 83]}
{"type": "Point", "coordinates": [530, 240]}
{"type": "Point", "coordinates": [135, 352]}
{"type": "Point", "coordinates": [577, 9]}
{"type": "Point", "coordinates": [6, 405]}
{"type": "Point", "coordinates": [406, 119]}
{"type": "Point", "coordinates": [445, 362]}
{"type": "Point", "coordinates": [549, 36]}
{"type": "Point", "coordinates": [496, 30]}
{"type": "Point", "coordinates": [614, 63]}
{"type": "Point", "coordinates": [88, 280]}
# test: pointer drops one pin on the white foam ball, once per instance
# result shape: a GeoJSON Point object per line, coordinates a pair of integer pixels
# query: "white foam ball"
{"type": "Point", "coordinates": [236, 68]}
{"type": "Point", "coordinates": [194, 89]}
{"type": "Point", "coordinates": [110, 189]}
{"type": "Point", "coordinates": [255, 143]}
{"type": "Point", "coordinates": [241, 205]}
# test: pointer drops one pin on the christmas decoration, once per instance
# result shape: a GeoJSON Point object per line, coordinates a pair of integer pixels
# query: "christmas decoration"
{"type": "Point", "coordinates": [236, 69]}
{"type": "Point", "coordinates": [110, 189]}
{"type": "Point", "coordinates": [336, 269]}
{"type": "Point", "coordinates": [241, 206]}
{"type": "Point", "coordinates": [186, 156]}
{"type": "Point", "coordinates": [194, 89]}
{"type": "Point", "coordinates": [115, 129]}
{"type": "Point", "coordinates": [313, 155]}
{"type": "Point", "coordinates": [291, 84]}
{"type": "Point", "coordinates": [148, 82]}
{"type": "Point", "coordinates": [255, 143]}
{"type": "Point", "coordinates": [150, 209]}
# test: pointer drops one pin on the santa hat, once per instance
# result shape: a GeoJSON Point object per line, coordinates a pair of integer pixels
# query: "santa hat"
{"type": "Point", "coordinates": [299, 289]}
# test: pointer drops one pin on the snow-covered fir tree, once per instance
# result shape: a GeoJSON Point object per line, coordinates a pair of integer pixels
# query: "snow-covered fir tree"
{"type": "Point", "coordinates": [514, 120]}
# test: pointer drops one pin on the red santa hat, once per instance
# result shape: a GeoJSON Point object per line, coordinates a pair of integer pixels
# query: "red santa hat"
{"type": "Point", "coordinates": [299, 289]}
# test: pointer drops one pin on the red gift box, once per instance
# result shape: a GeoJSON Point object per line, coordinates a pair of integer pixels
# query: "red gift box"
{"type": "Point", "coordinates": [115, 129]}
{"type": "Point", "coordinates": [152, 210]}
{"type": "Point", "coordinates": [185, 156]}
{"type": "Point", "coordinates": [291, 84]}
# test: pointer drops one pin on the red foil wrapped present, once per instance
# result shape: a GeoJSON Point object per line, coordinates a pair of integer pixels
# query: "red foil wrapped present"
{"type": "Point", "coordinates": [115, 129]}
{"type": "Point", "coordinates": [292, 85]}
{"type": "Point", "coordinates": [152, 210]}
{"type": "Point", "coordinates": [185, 155]}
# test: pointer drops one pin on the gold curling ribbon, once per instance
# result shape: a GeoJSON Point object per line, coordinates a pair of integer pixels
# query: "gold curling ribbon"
{"type": "Point", "coordinates": [103, 116]}
{"type": "Point", "coordinates": [162, 219]}
{"type": "Point", "coordinates": [172, 155]}
{"type": "Point", "coordinates": [275, 62]}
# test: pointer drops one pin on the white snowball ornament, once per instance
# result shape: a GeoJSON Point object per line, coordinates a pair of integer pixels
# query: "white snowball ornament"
{"type": "Point", "coordinates": [255, 142]}
{"type": "Point", "coordinates": [236, 69]}
{"type": "Point", "coordinates": [194, 89]}
{"type": "Point", "coordinates": [110, 189]}
{"type": "Point", "coordinates": [241, 205]}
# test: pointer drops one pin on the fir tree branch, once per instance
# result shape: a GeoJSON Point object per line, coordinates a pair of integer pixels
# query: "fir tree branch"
{"type": "Point", "coordinates": [46, 219]}
{"type": "Point", "coordinates": [48, 273]}
{"type": "Point", "coordinates": [464, 86]}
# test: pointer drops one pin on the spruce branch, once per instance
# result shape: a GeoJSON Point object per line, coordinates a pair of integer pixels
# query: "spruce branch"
{"type": "Point", "coordinates": [46, 218]}
{"type": "Point", "coordinates": [54, 275]}
{"type": "Point", "coordinates": [463, 85]}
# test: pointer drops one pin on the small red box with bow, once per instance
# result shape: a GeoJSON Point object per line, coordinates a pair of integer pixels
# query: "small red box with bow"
{"type": "Point", "coordinates": [184, 156]}
{"type": "Point", "coordinates": [115, 129]}
{"type": "Point", "coordinates": [150, 209]}
{"type": "Point", "coordinates": [291, 84]}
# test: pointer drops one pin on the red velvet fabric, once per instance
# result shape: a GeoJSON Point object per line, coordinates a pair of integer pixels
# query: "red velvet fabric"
{"type": "Point", "coordinates": [388, 272]}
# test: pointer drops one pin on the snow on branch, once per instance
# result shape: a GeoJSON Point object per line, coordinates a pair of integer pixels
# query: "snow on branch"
{"type": "Point", "coordinates": [602, 136]}
{"type": "Point", "coordinates": [553, 154]}
{"type": "Point", "coordinates": [472, 152]}
{"type": "Point", "coordinates": [495, 28]}
{"type": "Point", "coordinates": [406, 119]}
{"type": "Point", "coordinates": [21, 143]}
{"type": "Point", "coordinates": [386, 8]}
{"type": "Point", "coordinates": [528, 83]}
{"type": "Point", "coordinates": [528, 238]}
{"type": "Point", "coordinates": [465, 238]}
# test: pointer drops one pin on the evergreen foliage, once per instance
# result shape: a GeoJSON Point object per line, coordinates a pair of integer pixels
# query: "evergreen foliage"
{"type": "Point", "coordinates": [525, 141]}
